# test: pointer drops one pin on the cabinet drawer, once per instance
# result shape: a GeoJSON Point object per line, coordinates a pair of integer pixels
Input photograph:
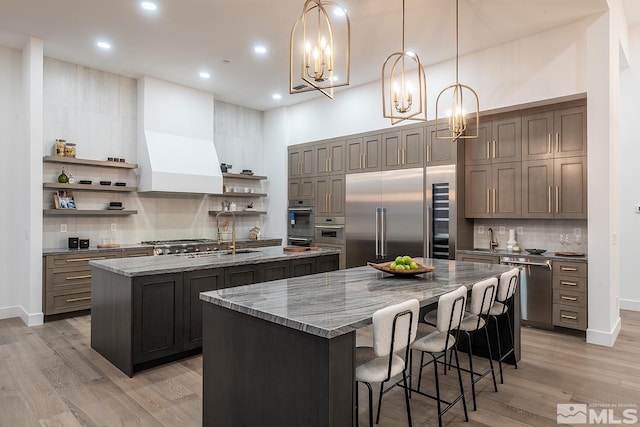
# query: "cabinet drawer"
{"type": "Point", "coordinates": [576, 299]}
{"type": "Point", "coordinates": [78, 260]}
{"type": "Point", "coordinates": [478, 258]}
{"type": "Point", "coordinates": [570, 317]}
{"type": "Point", "coordinates": [568, 283]}
{"type": "Point", "coordinates": [60, 280]}
{"type": "Point", "coordinates": [131, 253]}
{"type": "Point", "coordinates": [62, 302]}
{"type": "Point", "coordinates": [567, 268]}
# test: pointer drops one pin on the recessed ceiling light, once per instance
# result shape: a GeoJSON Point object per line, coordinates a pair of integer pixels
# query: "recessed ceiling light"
{"type": "Point", "coordinates": [104, 45]}
{"type": "Point", "coordinates": [276, 96]}
{"type": "Point", "coordinates": [260, 49]}
{"type": "Point", "coordinates": [149, 5]}
{"type": "Point", "coordinates": [204, 75]}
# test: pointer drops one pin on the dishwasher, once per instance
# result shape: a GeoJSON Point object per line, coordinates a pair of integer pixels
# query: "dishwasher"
{"type": "Point", "coordinates": [536, 290]}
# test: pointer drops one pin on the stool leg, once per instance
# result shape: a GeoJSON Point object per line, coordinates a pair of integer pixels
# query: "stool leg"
{"type": "Point", "coordinates": [493, 373]}
{"type": "Point", "coordinates": [357, 407]}
{"type": "Point", "coordinates": [464, 401]}
{"type": "Point", "coordinates": [473, 381]}
{"type": "Point", "coordinates": [435, 370]}
{"type": "Point", "coordinates": [379, 402]}
{"type": "Point", "coordinates": [495, 319]}
{"type": "Point", "coordinates": [515, 362]}
{"type": "Point", "coordinates": [421, 366]}
{"type": "Point", "coordinates": [406, 397]}
{"type": "Point", "coordinates": [370, 404]}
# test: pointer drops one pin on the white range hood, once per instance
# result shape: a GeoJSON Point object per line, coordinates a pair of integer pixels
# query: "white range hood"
{"type": "Point", "coordinates": [176, 152]}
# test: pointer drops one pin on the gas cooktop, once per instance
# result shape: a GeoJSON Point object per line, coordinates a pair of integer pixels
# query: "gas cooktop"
{"type": "Point", "coordinates": [176, 241]}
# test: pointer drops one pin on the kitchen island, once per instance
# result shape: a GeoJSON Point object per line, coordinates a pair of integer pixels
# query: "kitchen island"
{"type": "Point", "coordinates": [283, 353]}
{"type": "Point", "coordinates": [146, 311]}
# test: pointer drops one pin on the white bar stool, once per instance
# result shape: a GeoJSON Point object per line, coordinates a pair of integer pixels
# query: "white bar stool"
{"type": "Point", "coordinates": [504, 299]}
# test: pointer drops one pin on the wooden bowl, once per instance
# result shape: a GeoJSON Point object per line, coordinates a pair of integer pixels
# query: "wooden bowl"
{"type": "Point", "coordinates": [385, 267]}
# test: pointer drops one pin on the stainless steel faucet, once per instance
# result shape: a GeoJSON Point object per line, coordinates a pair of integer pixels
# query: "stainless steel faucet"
{"type": "Point", "coordinates": [493, 242]}
{"type": "Point", "coordinates": [233, 229]}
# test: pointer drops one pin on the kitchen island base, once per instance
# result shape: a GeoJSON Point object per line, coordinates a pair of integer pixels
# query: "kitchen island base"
{"type": "Point", "coordinates": [272, 372]}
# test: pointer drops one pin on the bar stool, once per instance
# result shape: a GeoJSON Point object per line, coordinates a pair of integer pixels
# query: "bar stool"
{"type": "Point", "coordinates": [504, 299]}
{"type": "Point", "coordinates": [482, 298]}
{"type": "Point", "coordinates": [394, 329]}
{"type": "Point", "coordinates": [437, 342]}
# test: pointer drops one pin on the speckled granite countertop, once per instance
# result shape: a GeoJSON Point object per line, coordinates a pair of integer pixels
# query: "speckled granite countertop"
{"type": "Point", "coordinates": [503, 252]}
{"type": "Point", "coordinates": [149, 265]}
{"type": "Point", "coordinates": [335, 303]}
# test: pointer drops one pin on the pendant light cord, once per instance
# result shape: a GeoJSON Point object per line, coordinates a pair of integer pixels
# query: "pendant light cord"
{"type": "Point", "coordinates": [456, 42]}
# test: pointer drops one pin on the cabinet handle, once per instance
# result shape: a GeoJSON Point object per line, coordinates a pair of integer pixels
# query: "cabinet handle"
{"type": "Point", "coordinates": [557, 142]}
{"type": "Point", "coordinates": [488, 148]}
{"type": "Point", "coordinates": [85, 259]}
{"type": "Point", "coordinates": [330, 197]}
{"type": "Point", "coordinates": [428, 153]}
{"type": "Point", "coordinates": [136, 255]}
{"type": "Point", "coordinates": [364, 160]}
{"type": "Point", "coordinates": [549, 198]}
{"type": "Point", "coordinates": [326, 202]}
{"type": "Point", "coordinates": [566, 298]}
{"type": "Point", "coordinates": [326, 164]}
{"type": "Point", "coordinates": [360, 160]}
{"type": "Point", "coordinates": [494, 200]}
{"type": "Point", "coordinates": [557, 198]}
{"type": "Point", "coordinates": [404, 156]}
{"type": "Point", "coordinates": [78, 299]}
{"type": "Point", "coordinates": [494, 149]}
{"type": "Point", "coordinates": [398, 156]}
{"type": "Point", "coordinates": [549, 146]}
{"type": "Point", "coordinates": [488, 197]}
{"type": "Point", "coordinates": [568, 268]}
{"type": "Point", "coordinates": [569, 317]}
{"type": "Point", "coordinates": [87, 276]}
{"type": "Point", "coordinates": [565, 283]}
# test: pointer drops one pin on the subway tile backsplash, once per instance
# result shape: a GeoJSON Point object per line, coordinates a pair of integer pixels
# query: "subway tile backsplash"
{"type": "Point", "coordinates": [542, 234]}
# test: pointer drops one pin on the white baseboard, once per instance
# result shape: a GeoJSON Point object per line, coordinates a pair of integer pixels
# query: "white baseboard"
{"type": "Point", "coordinates": [629, 304]}
{"type": "Point", "coordinates": [604, 338]}
{"type": "Point", "coordinates": [9, 312]}
{"type": "Point", "coordinates": [19, 311]}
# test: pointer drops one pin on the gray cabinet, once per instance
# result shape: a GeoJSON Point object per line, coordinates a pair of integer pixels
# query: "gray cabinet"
{"type": "Point", "coordinates": [364, 153]}
{"type": "Point", "coordinates": [498, 141]}
{"type": "Point", "coordinates": [438, 151]}
{"type": "Point", "coordinates": [274, 271]}
{"type": "Point", "coordinates": [570, 295]}
{"type": "Point", "coordinates": [329, 195]}
{"type": "Point", "coordinates": [241, 275]}
{"type": "Point", "coordinates": [555, 188]}
{"type": "Point", "coordinates": [404, 149]}
{"type": "Point", "coordinates": [301, 160]}
{"type": "Point", "coordinates": [194, 283]}
{"type": "Point", "coordinates": [555, 133]}
{"type": "Point", "coordinates": [493, 191]}
{"type": "Point", "coordinates": [301, 188]}
{"type": "Point", "coordinates": [302, 267]}
{"type": "Point", "coordinates": [485, 259]}
{"type": "Point", "coordinates": [329, 158]}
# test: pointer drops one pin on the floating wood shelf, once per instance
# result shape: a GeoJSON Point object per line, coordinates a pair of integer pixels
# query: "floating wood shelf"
{"type": "Point", "coordinates": [240, 213]}
{"type": "Point", "coordinates": [238, 194]}
{"type": "Point", "coordinates": [90, 187]}
{"type": "Point", "coordinates": [88, 212]}
{"type": "Point", "coordinates": [87, 162]}
{"type": "Point", "coordinates": [243, 176]}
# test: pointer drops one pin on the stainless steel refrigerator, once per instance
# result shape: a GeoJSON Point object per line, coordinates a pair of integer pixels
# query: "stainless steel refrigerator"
{"type": "Point", "coordinates": [384, 215]}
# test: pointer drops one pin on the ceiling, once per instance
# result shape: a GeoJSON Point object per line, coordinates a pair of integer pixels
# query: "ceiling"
{"type": "Point", "coordinates": [184, 37]}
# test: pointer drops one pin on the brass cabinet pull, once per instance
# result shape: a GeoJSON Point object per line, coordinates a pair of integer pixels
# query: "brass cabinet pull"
{"type": "Point", "coordinates": [360, 160]}
{"type": "Point", "coordinates": [488, 148]}
{"type": "Point", "coordinates": [364, 160]}
{"type": "Point", "coordinates": [549, 198]}
{"type": "Point", "coordinates": [329, 199]}
{"type": "Point", "coordinates": [326, 202]}
{"type": "Point", "coordinates": [428, 153]}
{"type": "Point", "coordinates": [557, 142]}
{"type": "Point", "coordinates": [557, 199]}
{"type": "Point", "coordinates": [566, 298]}
{"type": "Point", "coordinates": [78, 299]}
{"type": "Point", "coordinates": [326, 164]}
{"type": "Point", "coordinates": [488, 197]}
{"type": "Point", "coordinates": [87, 276]}
{"type": "Point", "coordinates": [494, 200]}
{"type": "Point", "coordinates": [563, 268]}
{"type": "Point", "coordinates": [494, 149]}
{"type": "Point", "coordinates": [549, 146]}
{"type": "Point", "coordinates": [398, 156]}
{"type": "Point", "coordinates": [404, 156]}
{"type": "Point", "coordinates": [567, 316]}
{"type": "Point", "coordinates": [565, 283]}
{"type": "Point", "coordinates": [85, 259]}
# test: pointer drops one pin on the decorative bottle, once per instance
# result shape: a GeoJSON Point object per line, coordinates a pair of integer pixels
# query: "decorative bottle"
{"type": "Point", "coordinates": [63, 178]}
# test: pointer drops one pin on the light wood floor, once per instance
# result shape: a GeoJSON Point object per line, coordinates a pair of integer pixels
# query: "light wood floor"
{"type": "Point", "coordinates": [50, 376]}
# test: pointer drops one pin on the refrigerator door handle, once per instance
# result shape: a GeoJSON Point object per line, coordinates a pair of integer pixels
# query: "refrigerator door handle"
{"type": "Point", "coordinates": [383, 233]}
{"type": "Point", "coordinates": [378, 232]}
{"type": "Point", "coordinates": [428, 232]}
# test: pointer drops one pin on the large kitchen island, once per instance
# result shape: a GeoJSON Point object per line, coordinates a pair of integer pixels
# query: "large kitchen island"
{"type": "Point", "coordinates": [282, 353]}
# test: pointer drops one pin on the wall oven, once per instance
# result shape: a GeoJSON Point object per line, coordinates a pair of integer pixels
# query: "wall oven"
{"type": "Point", "coordinates": [300, 223]}
{"type": "Point", "coordinates": [329, 233]}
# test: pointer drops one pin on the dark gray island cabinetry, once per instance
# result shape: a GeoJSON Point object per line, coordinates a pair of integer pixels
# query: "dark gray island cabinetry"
{"type": "Point", "coordinates": [147, 311]}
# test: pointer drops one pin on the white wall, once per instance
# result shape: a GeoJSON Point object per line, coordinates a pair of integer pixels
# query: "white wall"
{"type": "Point", "coordinates": [12, 141]}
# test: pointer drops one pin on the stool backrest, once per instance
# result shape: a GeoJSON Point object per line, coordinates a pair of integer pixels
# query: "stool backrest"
{"type": "Point", "coordinates": [483, 294]}
{"type": "Point", "coordinates": [450, 309]}
{"type": "Point", "coordinates": [507, 284]}
{"type": "Point", "coordinates": [395, 326]}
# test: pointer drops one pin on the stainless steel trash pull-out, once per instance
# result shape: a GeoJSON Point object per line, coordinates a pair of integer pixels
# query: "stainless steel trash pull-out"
{"type": "Point", "coordinates": [536, 290]}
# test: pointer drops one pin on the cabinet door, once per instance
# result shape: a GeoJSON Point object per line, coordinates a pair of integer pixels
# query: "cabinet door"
{"type": "Point", "coordinates": [157, 316]}
{"type": "Point", "coordinates": [507, 190]}
{"type": "Point", "coordinates": [570, 126]}
{"type": "Point", "coordinates": [439, 151]}
{"type": "Point", "coordinates": [336, 196]}
{"type": "Point", "coordinates": [477, 150]}
{"type": "Point", "coordinates": [506, 140]}
{"type": "Point", "coordinates": [302, 267]}
{"type": "Point", "coordinates": [322, 191]}
{"type": "Point", "coordinates": [570, 179]}
{"type": "Point", "coordinates": [355, 152]}
{"type": "Point", "coordinates": [274, 270]}
{"type": "Point", "coordinates": [537, 141]}
{"type": "Point", "coordinates": [477, 191]}
{"type": "Point", "coordinates": [301, 188]}
{"type": "Point", "coordinates": [322, 156]}
{"type": "Point", "coordinates": [537, 189]}
{"type": "Point", "coordinates": [327, 263]}
{"type": "Point", "coordinates": [307, 155]}
{"type": "Point", "coordinates": [194, 283]}
{"type": "Point", "coordinates": [412, 151]}
{"type": "Point", "coordinates": [372, 153]}
{"type": "Point", "coordinates": [241, 275]}
{"type": "Point", "coordinates": [295, 163]}
{"type": "Point", "coordinates": [391, 145]}
{"type": "Point", "coordinates": [336, 157]}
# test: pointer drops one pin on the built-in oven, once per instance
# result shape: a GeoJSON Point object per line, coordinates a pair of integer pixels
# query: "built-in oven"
{"type": "Point", "coordinates": [329, 233]}
{"type": "Point", "coordinates": [300, 223]}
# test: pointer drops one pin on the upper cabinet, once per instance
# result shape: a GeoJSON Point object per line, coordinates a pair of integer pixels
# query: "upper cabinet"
{"type": "Point", "coordinates": [555, 133]}
{"type": "Point", "coordinates": [498, 141]}
{"type": "Point", "coordinates": [329, 157]}
{"type": "Point", "coordinates": [364, 153]}
{"type": "Point", "coordinates": [438, 151]}
{"type": "Point", "coordinates": [493, 191]}
{"type": "Point", "coordinates": [301, 160]}
{"type": "Point", "coordinates": [403, 150]}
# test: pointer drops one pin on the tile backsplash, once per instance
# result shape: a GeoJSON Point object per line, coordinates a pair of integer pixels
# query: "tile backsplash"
{"type": "Point", "coordinates": [542, 234]}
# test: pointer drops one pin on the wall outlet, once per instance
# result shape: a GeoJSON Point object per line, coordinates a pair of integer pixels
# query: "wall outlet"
{"type": "Point", "coordinates": [520, 231]}
{"type": "Point", "coordinates": [480, 229]}
{"type": "Point", "coordinates": [63, 228]}
{"type": "Point", "coordinates": [114, 227]}
{"type": "Point", "coordinates": [501, 230]}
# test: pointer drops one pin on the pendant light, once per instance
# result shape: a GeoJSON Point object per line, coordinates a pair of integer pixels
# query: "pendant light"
{"type": "Point", "coordinates": [319, 57]}
{"type": "Point", "coordinates": [404, 85]}
{"type": "Point", "coordinates": [459, 103]}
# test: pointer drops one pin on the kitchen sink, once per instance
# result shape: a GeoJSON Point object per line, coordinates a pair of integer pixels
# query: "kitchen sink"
{"type": "Point", "coordinates": [241, 251]}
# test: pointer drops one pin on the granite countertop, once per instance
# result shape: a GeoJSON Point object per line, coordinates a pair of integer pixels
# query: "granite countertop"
{"type": "Point", "coordinates": [338, 302]}
{"type": "Point", "coordinates": [503, 252]}
{"type": "Point", "coordinates": [149, 265]}
{"type": "Point", "coordinates": [66, 251]}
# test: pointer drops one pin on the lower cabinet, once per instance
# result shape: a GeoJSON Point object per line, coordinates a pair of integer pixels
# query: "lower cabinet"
{"type": "Point", "coordinates": [242, 275]}
{"type": "Point", "coordinates": [488, 259]}
{"type": "Point", "coordinates": [194, 283]}
{"type": "Point", "coordinates": [570, 295]}
{"type": "Point", "coordinates": [274, 271]}
{"type": "Point", "coordinates": [302, 267]}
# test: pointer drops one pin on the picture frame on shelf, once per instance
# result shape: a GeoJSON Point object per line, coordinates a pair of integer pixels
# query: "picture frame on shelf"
{"type": "Point", "coordinates": [64, 199]}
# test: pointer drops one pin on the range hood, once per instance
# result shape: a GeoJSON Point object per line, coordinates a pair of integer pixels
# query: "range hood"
{"type": "Point", "coordinates": [176, 152]}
